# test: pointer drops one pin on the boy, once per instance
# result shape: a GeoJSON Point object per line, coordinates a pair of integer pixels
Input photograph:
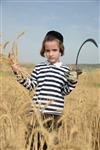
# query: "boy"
{"type": "Point", "coordinates": [51, 79]}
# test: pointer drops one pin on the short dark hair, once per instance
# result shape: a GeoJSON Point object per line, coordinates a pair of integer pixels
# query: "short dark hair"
{"type": "Point", "coordinates": [51, 36]}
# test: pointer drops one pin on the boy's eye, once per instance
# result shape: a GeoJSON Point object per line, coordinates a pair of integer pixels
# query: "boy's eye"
{"type": "Point", "coordinates": [47, 50]}
{"type": "Point", "coordinates": [54, 50]}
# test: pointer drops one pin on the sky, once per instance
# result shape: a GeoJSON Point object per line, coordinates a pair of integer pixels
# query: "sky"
{"type": "Point", "coordinates": [76, 20]}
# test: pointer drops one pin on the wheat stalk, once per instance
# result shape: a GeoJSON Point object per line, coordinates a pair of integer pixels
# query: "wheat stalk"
{"type": "Point", "coordinates": [13, 59]}
{"type": "Point", "coordinates": [5, 44]}
{"type": "Point", "coordinates": [20, 35]}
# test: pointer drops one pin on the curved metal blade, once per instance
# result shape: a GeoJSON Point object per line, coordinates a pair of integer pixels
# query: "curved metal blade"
{"type": "Point", "coordinates": [88, 40]}
{"type": "Point", "coordinates": [79, 71]}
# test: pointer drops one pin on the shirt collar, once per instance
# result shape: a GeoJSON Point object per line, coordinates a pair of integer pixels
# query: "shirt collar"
{"type": "Point", "coordinates": [57, 64]}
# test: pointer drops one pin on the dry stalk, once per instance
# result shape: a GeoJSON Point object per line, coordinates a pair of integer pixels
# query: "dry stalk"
{"type": "Point", "coordinates": [13, 59]}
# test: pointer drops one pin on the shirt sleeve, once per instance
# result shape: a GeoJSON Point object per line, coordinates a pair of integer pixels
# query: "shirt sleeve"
{"type": "Point", "coordinates": [70, 83]}
{"type": "Point", "coordinates": [30, 82]}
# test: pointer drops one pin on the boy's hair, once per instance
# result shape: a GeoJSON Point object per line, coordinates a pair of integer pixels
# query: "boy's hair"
{"type": "Point", "coordinates": [51, 36]}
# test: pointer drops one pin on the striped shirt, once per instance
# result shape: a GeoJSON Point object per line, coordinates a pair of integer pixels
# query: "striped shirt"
{"type": "Point", "coordinates": [52, 83]}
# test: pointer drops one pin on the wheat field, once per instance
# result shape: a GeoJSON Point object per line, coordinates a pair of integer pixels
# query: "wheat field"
{"type": "Point", "coordinates": [80, 129]}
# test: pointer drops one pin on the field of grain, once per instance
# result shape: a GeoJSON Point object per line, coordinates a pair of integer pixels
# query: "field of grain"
{"type": "Point", "coordinates": [80, 128]}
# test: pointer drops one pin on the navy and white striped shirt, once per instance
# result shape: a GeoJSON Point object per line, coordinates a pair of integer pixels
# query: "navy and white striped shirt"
{"type": "Point", "coordinates": [52, 84]}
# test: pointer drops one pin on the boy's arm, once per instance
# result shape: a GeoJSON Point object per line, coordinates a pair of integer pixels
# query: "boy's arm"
{"type": "Point", "coordinates": [71, 79]}
{"type": "Point", "coordinates": [30, 82]}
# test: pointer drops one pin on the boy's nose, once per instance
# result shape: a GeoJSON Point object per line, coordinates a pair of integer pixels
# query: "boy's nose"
{"type": "Point", "coordinates": [51, 53]}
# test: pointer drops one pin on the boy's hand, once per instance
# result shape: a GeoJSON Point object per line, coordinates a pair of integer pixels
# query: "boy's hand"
{"type": "Point", "coordinates": [73, 76]}
{"type": "Point", "coordinates": [76, 69]}
{"type": "Point", "coordinates": [15, 69]}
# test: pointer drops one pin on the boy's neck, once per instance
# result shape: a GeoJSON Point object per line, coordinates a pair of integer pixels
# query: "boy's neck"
{"type": "Point", "coordinates": [58, 63]}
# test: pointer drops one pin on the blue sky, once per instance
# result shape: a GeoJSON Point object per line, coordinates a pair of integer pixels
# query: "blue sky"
{"type": "Point", "coordinates": [76, 20]}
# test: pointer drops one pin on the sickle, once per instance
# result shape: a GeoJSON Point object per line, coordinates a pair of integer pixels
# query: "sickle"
{"type": "Point", "coordinates": [88, 40]}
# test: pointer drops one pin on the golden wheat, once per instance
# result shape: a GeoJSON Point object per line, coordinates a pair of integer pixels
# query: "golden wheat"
{"type": "Point", "coordinates": [80, 129]}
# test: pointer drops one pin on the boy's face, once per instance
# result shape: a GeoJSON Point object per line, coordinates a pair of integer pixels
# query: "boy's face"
{"type": "Point", "coordinates": [52, 51]}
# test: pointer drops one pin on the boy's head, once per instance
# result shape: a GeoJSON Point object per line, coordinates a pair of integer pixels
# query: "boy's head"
{"type": "Point", "coordinates": [53, 36]}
